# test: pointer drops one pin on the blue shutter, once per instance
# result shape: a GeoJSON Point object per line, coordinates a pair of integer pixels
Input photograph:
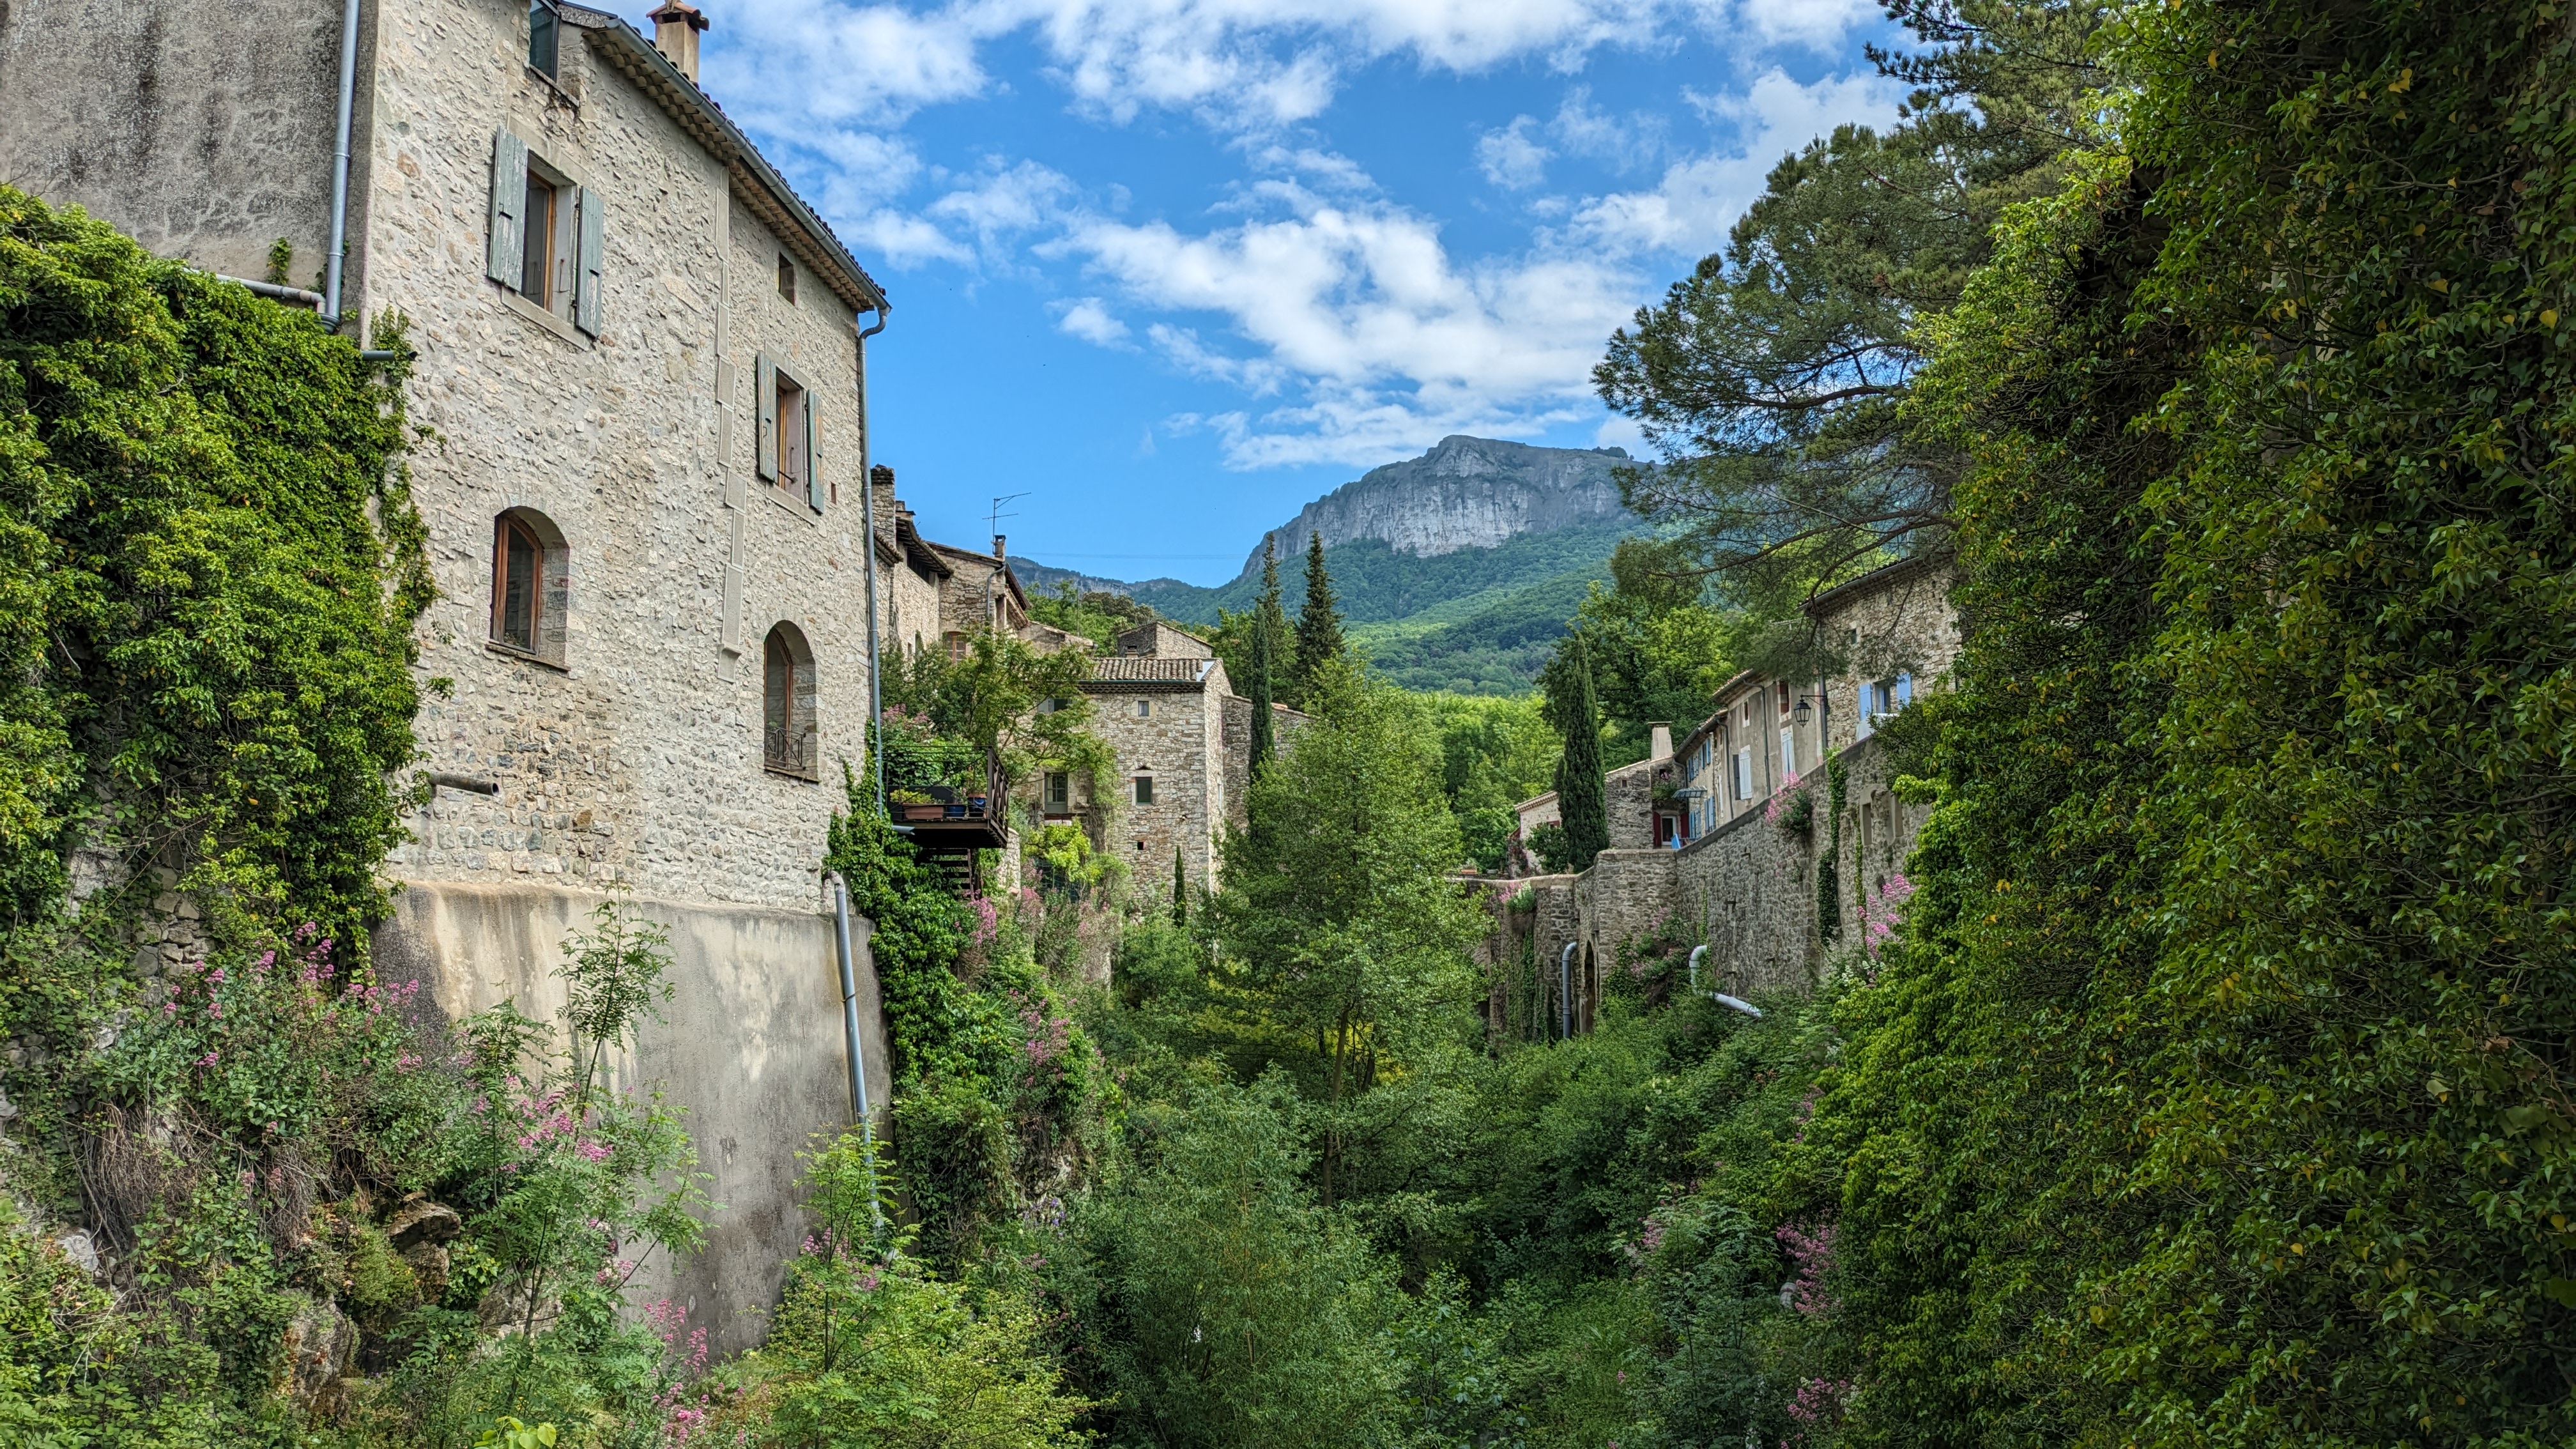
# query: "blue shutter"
{"type": "Point", "coordinates": [592, 223]}
{"type": "Point", "coordinates": [502, 257]}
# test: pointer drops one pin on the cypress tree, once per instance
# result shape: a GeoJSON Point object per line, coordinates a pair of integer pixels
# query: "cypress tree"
{"type": "Point", "coordinates": [1576, 713]}
{"type": "Point", "coordinates": [1319, 623]}
{"type": "Point", "coordinates": [1270, 625]}
{"type": "Point", "coordinates": [1257, 689]}
{"type": "Point", "coordinates": [1180, 890]}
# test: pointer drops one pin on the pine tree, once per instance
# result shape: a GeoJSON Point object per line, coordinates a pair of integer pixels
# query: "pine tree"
{"type": "Point", "coordinates": [1319, 623]}
{"type": "Point", "coordinates": [1576, 714]}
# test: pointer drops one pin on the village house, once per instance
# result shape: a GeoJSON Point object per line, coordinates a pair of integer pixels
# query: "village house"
{"type": "Point", "coordinates": [1182, 739]}
{"type": "Point", "coordinates": [1720, 837]}
{"type": "Point", "coordinates": [640, 392]}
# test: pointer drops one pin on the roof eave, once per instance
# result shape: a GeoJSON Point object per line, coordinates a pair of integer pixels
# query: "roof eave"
{"type": "Point", "coordinates": [805, 233]}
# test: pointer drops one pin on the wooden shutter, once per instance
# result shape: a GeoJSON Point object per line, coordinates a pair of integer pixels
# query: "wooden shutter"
{"type": "Point", "coordinates": [764, 447]}
{"type": "Point", "coordinates": [813, 469]}
{"type": "Point", "coordinates": [592, 221]}
{"type": "Point", "coordinates": [509, 200]}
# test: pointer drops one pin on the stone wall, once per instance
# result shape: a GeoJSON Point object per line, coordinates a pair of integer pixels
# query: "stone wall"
{"type": "Point", "coordinates": [640, 759]}
{"type": "Point", "coordinates": [1182, 745]}
{"type": "Point", "coordinates": [1748, 889]}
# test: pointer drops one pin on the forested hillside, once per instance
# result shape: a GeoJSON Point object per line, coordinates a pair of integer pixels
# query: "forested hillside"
{"type": "Point", "coordinates": [2211, 1091]}
{"type": "Point", "coordinates": [1457, 568]}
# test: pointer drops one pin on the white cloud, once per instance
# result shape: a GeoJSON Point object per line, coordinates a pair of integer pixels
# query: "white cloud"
{"type": "Point", "coordinates": [1005, 203]}
{"type": "Point", "coordinates": [1622, 431]}
{"type": "Point", "coordinates": [1699, 198]}
{"type": "Point", "coordinates": [1088, 318]}
{"type": "Point", "coordinates": [1815, 24]}
{"type": "Point", "coordinates": [1360, 320]}
{"type": "Point", "coordinates": [1510, 158]}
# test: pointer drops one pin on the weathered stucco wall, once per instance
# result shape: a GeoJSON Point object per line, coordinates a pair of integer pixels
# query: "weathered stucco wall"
{"type": "Point", "coordinates": [750, 1046]}
{"type": "Point", "coordinates": [204, 132]}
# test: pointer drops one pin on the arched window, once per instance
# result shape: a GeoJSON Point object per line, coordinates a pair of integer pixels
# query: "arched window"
{"type": "Point", "coordinates": [790, 743]}
{"type": "Point", "coordinates": [531, 585]}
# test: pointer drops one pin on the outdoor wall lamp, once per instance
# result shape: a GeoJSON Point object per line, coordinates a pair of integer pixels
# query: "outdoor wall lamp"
{"type": "Point", "coordinates": [1804, 709]}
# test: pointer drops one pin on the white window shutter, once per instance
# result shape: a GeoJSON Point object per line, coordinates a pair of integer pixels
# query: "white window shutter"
{"type": "Point", "coordinates": [593, 221]}
{"type": "Point", "coordinates": [509, 202]}
{"type": "Point", "coordinates": [764, 450]}
{"type": "Point", "coordinates": [813, 466]}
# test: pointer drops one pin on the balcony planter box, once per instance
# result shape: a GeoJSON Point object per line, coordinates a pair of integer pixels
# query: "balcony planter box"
{"type": "Point", "coordinates": [925, 812]}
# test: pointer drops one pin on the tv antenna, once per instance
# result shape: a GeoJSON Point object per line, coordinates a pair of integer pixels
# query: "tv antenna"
{"type": "Point", "coordinates": [998, 515]}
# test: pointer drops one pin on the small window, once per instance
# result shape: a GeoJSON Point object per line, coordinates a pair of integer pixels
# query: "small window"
{"type": "Point", "coordinates": [1144, 789]}
{"type": "Point", "coordinates": [529, 586]}
{"type": "Point", "coordinates": [1788, 751]}
{"type": "Point", "coordinates": [795, 465]}
{"type": "Point", "coordinates": [1144, 709]}
{"type": "Point", "coordinates": [789, 741]}
{"type": "Point", "coordinates": [1743, 774]}
{"type": "Point", "coordinates": [786, 277]}
{"type": "Point", "coordinates": [514, 620]}
{"type": "Point", "coordinates": [1784, 696]}
{"type": "Point", "coordinates": [545, 32]}
{"type": "Point", "coordinates": [548, 238]}
{"type": "Point", "coordinates": [1059, 793]}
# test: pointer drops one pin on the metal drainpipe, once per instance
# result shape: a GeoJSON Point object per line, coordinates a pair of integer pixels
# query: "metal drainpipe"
{"type": "Point", "coordinates": [868, 521]}
{"type": "Point", "coordinates": [340, 164]}
{"type": "Point", "coordinates": [1720, 997]}
{"type": "Point", "coordinates": [1565, 993]}
{"type": "Point", "coordinates": [850, 1006]}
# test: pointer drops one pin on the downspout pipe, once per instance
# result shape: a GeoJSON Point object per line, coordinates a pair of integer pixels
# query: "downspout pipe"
{"type": "Point", "coordinates": [868, 521]}
{"type": "Point", "coordinates": [340, 164]}
{"type": "Point", "coordinates": [850, 1006]}
{"type": "Point", "coordinates": [1565, 993]}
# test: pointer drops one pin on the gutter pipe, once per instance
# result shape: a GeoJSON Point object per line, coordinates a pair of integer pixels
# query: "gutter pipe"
{"type": "Point", "coordinates": [340, 165]}
{"type": "Point", "coordinates": [850, 1007]}
{"type": "Point", "coordinates": [1720, 997]}
{"type": "Point", "coordinates": [1565, 993]}
{"type": "Point", "coordinates": [868, 521]}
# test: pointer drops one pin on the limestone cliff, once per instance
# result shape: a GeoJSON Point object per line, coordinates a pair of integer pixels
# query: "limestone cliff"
{"type": "Point", "coordinates": [1464, 493]}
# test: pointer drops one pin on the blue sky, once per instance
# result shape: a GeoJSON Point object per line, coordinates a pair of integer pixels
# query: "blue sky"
{"type": "Point", "coordinates": [1171, 268]}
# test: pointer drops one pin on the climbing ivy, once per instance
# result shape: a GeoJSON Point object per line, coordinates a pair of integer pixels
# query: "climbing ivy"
{"type": "Point", "coordinates": [212, 567]}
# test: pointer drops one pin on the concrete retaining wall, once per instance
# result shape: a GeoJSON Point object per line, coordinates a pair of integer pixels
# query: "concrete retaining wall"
{"type": "Point", "coordinates": [750, 1047]}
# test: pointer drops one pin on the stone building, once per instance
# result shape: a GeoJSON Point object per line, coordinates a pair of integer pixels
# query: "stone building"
{"type": "Point", "coordinates": [1721, 837]}
{"type": "Point", "coordinates": [640, 383]}
{"type": "Point", "coordinates": [1182, 741]}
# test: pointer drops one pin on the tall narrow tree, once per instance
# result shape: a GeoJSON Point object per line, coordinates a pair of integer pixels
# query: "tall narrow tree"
{"type": "Point", "coordinates": [1576, 714]}
{"type": "Point", "coordinates": [1319, 623]}
{"type": "Point", "coordinates": [1257, 689]}
{"type": "Point", "coordinates": [1270, 625]}
{"type": "Point", "coordinates": [1180, 890]}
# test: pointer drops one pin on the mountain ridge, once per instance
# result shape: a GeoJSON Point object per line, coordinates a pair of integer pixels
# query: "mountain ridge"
{"type": "Point", "coordinates": [1455, 570]}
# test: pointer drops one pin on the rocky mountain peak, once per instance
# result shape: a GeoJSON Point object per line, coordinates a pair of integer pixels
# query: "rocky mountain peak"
{"type": "Point", "coordinates": [1464, 493]}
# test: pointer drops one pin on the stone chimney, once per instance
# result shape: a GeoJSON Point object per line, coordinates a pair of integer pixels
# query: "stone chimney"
{"type": "Point", "coordinates": [881, 483]}
{"type": "Point", "coordinates": [1659, 742]}
{"type": "Point", "coordinates": [675, 34]}
{"type": "Point", "coordinates": [997, 547]}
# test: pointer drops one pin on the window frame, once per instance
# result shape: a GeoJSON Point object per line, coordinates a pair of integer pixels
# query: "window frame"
{"type": "Point", "coordinates": [1143, 787]}
{"type": "Point", "coordinates": [507, 529]}
{"type": "Point", "coordinates": [550, 601]}
{"type": "Point", "coordinates": [552, 69]}
{"type": "Point", "coordinates": [782, 711]}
